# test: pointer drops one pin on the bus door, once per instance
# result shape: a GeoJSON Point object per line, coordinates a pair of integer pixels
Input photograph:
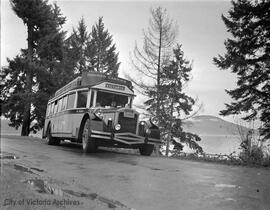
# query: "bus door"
{"type": "Point", "coordinates": [69, 114]}
{"type": "Point", "coordinates": [81, 109]}
{"type": "Point", "coordinates": [59, 118]}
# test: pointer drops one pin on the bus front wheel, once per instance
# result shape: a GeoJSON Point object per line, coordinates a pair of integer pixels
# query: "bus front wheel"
{"type": "Point", "coordinates": [88, 143]}
{"type": "Point", "coordinates": [50, 139]}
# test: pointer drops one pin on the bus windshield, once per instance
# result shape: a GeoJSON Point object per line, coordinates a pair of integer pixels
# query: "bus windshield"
{"type": "Point", "coordinates": [105, 99]}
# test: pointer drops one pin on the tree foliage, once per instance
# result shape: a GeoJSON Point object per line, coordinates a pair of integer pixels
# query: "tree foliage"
{"type": "Point", "coordinates": [31, 76]}
{"type": "Point", "coordinates": [175, 103]}
{"type": "Point", "coordinates": [92, 51]}
{"type": "Point", "coordinates": [163, 72]}
{"type": "Point", "coordinates": [100, 51]}
{"type": "Point", "coordinates": [248, 56]}
{"type": "Point", "coordinates": [13, 98]}
{"type": "Point", "coordinates": [77, 43]}
{"type": "Point", "coordinates": [50, 61]}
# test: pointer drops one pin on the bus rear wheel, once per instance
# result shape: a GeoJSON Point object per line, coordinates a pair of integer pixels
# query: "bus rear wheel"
{"type": "Point", "coordinates": [146, 150]}
{"type": "Point", "coordinates": [50, 139]}
{"type": "Point", "coordinates": [88, 143]}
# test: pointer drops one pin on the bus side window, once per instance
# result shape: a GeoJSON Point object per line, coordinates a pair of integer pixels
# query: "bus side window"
{"type": "Point", "coordinates": [59, 105]}
{"type": "Point", "coordinates": [55, 106]}
{"type": "Point", "coordinates": [52, 108]}
{"type": "Point", "coordinates": [82, 99]}
{"type": "Point", "coordinates": [64, 104]}
{"type": "Point", "coordinates": [70, 101]}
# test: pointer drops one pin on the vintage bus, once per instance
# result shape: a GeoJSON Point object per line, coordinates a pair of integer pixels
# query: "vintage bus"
{"type": "Point", "coordinates": [96, 110]}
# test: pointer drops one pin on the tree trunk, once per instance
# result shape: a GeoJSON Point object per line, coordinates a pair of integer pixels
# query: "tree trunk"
{"type": "Point", "coordinates": [27, 106]}
{"type": "Point", "coordinates": [28, 86]}
{"type": "Point", "coordinates": [26, 121]}
{"type": "Point", "coordinates": [170, 138]}
{"type": "Point", "coordinates": [158, 71]}
{"type": "Point", "coordinates": [168, 145]}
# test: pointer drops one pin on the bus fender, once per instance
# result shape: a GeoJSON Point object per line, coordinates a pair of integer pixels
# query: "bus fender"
{"type": "Point", "coordinates": [148, 124]}
{"type": "Point", "coordinates": [86, 116]}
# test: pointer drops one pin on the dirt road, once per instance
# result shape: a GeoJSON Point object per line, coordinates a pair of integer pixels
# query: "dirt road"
{"type": "Point", "coordinates": [35, 175]}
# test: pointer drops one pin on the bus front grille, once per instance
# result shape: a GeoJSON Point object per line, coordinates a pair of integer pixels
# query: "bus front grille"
{"type": "Point", "coordinates": [127, 124]}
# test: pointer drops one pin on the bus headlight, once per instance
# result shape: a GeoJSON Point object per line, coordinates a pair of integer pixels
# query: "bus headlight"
{"type": "Point", "coordinates": [117, 127]}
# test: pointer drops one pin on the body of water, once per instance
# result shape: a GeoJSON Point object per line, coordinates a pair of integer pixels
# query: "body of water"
{"type": "Point", "coordinates": [220, 144]}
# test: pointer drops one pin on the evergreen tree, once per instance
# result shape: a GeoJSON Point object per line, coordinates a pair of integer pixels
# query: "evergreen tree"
{"type": "Point", "coordinates": [101, 51]}
{"type": "Point", "coordinates": [78, 42]}
{"type": "Point", "coordinates": [175, 103]}
{"type": "Point", "coordinates": [50, 57]}
{"type": "Point", "coordinates": [12, 94]}
{"type": "Point", "coordinates": [30, 77]}
{"type": "Point", "coordinates": [248, 56]}
{"type": "Point", "coordinates": [153, 61]}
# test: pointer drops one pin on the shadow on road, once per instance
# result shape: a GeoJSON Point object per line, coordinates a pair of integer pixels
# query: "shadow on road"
{"type": "Point", "coordinates": [111, 154]}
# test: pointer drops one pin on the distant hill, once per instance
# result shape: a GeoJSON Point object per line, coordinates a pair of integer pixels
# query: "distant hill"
{"type": "Point", "coordinates": [211, 125]}
{"type": "Point", "coordinates": [218, 136]}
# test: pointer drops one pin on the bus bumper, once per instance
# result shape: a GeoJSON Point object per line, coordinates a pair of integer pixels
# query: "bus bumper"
{"type": "Point", "coordinates": [129, 139]}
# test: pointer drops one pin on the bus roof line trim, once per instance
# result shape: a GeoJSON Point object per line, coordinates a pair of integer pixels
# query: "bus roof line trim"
{"type": "Point", "coordinates": [66, 93]}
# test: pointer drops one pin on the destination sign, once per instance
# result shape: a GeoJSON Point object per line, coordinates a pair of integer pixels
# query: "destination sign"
{"type": "Point", "coordinates": [129, 114]}
{"type": "Point", "coordinates": [116, 87]}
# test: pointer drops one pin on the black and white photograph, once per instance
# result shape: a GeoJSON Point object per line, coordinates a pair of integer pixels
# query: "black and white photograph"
{"type": "Point", "coordinates": [135, 105]}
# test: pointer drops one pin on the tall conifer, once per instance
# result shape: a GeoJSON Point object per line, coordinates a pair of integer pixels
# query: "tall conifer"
{"type": "Point", "coordinates": [78, 42]}
{"type": "Point", "coordinates": [29, 77]}
{"type": "Point", "coordinates": [248, 56]}
{"type": "Point", "coordinates": [101, 52]}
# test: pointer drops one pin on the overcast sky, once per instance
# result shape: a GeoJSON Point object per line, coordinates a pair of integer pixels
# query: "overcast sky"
{"type": "Point", "coordinates": [201, 33]}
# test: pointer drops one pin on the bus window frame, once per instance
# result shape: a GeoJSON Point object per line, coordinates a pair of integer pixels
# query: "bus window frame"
{"type": "Point", "coordinates": [48, 109]}
{"type": "Point", "coordinates": [60, 101]}
{"type": "Point", "coordinates": [71, 93]}
{"type": "Point", "coordinates": [112, 92]}
{"type": "Point", "coordinates": [55, 106]}
{"type": "Point", "coordinates": [89, 98]}
{"type": "Point", "coordinates": [52, 108]}
{"type": "Point", "coordinates": [64, 103]}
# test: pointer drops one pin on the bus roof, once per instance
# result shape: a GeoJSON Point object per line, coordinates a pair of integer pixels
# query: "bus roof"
{"type": "Point", "coordinates": [91, 79]}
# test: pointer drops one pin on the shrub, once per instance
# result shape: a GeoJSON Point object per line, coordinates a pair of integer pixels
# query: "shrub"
{"type": "Point", "coordinates": [254, 153]}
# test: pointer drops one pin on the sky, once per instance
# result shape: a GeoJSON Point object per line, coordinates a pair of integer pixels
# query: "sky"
{"type": "Point", "coordinates": [201, 32]}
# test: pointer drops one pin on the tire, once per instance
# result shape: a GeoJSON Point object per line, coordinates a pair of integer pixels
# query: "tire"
{"type": "Point", "coordinates": [88, 143]}
{"type": "Point", "coordinates": [50, 139]}
{"type": "Point", "coordinates": [146, 150]}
